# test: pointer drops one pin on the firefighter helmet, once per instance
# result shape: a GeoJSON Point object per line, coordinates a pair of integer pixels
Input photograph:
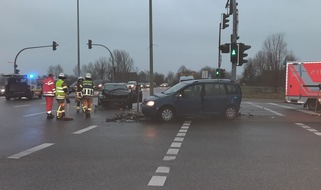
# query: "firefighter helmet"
{"type": "Point", "coordinates": [88, 76]}
{"type": "Point", "coordinates": [80, 78]}
{"type": "Point", "coordinates": [61, 76]}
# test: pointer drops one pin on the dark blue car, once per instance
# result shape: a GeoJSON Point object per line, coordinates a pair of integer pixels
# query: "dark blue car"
{"type": "Point", "coordinates": [204, 97]}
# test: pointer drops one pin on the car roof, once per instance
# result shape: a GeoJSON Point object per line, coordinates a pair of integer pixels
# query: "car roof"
{"type": "Point", "coordinates": [209, 81]}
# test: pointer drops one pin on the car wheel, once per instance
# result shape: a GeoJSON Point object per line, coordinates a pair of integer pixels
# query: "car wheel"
{"type": "Point", "coordinates": [230, 113]}
{"type": "Point", "coordinates": [30, 96]}
{"type": "Point", "coordinates": [312, 103]}
{"type": "Point", "coordinates": [166, 114]}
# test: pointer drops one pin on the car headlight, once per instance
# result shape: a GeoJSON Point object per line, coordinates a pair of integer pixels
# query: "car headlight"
{"type": "Point", "coordinates": [2, 90]}
{"type": "Point", "coordinates": [150, 103]}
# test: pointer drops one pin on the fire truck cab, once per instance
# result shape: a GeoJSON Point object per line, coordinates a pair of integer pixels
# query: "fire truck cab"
{"type": "Point", "coordinates": [303, 82]}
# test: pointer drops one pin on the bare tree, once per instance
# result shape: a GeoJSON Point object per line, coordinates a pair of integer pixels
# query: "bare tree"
{"type": "Point", "coordinates": [123, 62]}
{"type": "Point", "coordinates": [55, 70]}
{"type": "Point", "coordinates": [268, 64]}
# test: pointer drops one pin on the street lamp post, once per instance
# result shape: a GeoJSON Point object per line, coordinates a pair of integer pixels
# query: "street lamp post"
{"type": "Point", "coordinates": [78, 41]}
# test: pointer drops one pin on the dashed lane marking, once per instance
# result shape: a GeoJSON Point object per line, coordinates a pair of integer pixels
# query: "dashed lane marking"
{"type": "Point", "coordinates": [30, 151]}
{"type": "Point", "coordinates": [19, 106]}
{"type": "Point", "coordinates": [85, 129]}
{"type": "Point", "coordinates": [157, 180]}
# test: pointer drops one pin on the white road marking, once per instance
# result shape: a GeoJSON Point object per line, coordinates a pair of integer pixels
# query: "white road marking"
{"type": "Point", "coordinates": [178, 139]}
{"type": "Point", "coordinates": [172, 151]}
{"type": "Point", "coordinates": [169, 158]}
{"type": "Point", "coordinates": [85, 129]}
{"type": "Point", "coordinates": [30, 115]}
{"type": "Point", "coordinates": [176, 145]}
{"type": "Point", "coordinates": [163, 169]}
{"type": "Point", "coordinates": [312, 130]}
{"type": "Point", "coordinates": [276, 113]}
{"type": "Point", "coordinates": [31, 150]}
{"type": "Point", "coordinates": [25, 105]}
{"type": "Point", "coordinates": [181, 134]}
{"type": "Point", "coordinates": [157, 181]}
{"type": "Point", "coordinates": [170, 155]}
{"type": "Point", "coordinates": [288, 107]}
{"type": "Point", "coordinates": [318, 133]}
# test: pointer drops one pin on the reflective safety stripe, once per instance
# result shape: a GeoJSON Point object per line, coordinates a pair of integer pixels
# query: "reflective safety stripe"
{"type": "Point", "coordinates": [88, 92]}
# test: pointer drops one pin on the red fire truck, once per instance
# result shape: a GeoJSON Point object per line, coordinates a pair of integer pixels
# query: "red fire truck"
{"type": "Point", "coordinates": [303, 83]}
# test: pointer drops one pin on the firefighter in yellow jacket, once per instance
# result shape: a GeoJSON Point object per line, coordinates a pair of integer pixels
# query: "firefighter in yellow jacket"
{"type": "Point", "coordinates": [61, 97]}
{"type": "Point", "coordinates": [88, 93]}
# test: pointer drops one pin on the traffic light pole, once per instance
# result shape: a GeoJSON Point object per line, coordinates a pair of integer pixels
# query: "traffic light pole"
{"type": "Point", "coordinates": [234, 35]}
{"type": "Point", "coordinates": [15, 60]}
{"type": "Point", "coordinates": [219, 44]}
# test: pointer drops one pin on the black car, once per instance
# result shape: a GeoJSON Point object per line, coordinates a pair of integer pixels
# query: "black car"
{"type": "Point", "coordinates": [117, 94]}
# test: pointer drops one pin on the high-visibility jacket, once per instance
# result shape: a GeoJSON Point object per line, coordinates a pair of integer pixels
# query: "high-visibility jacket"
{"type": "Point", "coordinates": [61, 89]}
{"type": "Point", "coordinates": [48, 87]}
{"type": "Point", "coordinates": [87, 88]}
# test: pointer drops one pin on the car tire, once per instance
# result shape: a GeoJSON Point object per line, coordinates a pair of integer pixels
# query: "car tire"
{"type": "Point", "coordinates": [312, 103]}
{"type": "Point", "coordinates": [230, 113]}
{"type": "Point", "coordinates": [166, 114]}
{"type": "Point", "coordinates": [30, 96]}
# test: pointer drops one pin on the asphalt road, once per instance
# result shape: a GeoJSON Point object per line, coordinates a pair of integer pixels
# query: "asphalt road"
{"type": "Point", "coordinates": [272, 145]}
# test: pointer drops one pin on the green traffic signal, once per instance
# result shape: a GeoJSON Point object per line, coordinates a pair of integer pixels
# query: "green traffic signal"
{"type": "Point", "coordinates": [234, 53]}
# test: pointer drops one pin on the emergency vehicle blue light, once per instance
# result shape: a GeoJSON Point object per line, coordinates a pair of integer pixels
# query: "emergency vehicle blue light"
{"type": "Point", "coordinates": [31, 76]}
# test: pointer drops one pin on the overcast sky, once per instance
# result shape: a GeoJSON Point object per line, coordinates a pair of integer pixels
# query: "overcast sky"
{"type": "Point", "coordinates": [185, 31]}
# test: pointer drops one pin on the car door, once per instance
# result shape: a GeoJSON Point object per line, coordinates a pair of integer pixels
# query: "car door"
{"type": "Point", "coordinates": [214, 98]}
{"type": "Point", "coordinates": [188, 100]}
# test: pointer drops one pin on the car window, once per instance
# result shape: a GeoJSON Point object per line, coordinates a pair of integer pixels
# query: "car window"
{"type": "Point", "coordinates": [231, 89]}
{"type": "Point", "coordinates": [214, 89]}
{"type": "Point", "coordinates": [175, 88]}
{"type": "Point", "coordinates": [192, 91]}
{"type": "Point", "coordinates": [115, 86]}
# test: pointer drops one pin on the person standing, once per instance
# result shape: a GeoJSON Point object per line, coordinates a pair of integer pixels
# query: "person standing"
{"type": "Point", "coordinates": [61, 97]}
{"type": "Point", "coordinates": [78, 91]}
{"type": "Point", "coordinates": [48, 91]}
{"type": "Point", "coordinates": [88, 93]}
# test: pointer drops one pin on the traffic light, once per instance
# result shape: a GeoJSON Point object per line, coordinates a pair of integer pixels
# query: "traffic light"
{"type": "Point", "coordinates": [225, 48]}
{"type": "Point", "coordinates": [242, 54]}
{"type": "Point", "coordinates": [222, 73]}
{"type": "Point", "coordinates": [217, 73]}
{"type": "Point", "coordinates": [54, 45]}
{"type": "Point", "coordinates": [16, 71]}
{"type": "Point", "coordinates": [90, 44]}
{"type": "Point", "coordinates": [234, 53]}
{"type": "Point", "coordinates": [225, 21]}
